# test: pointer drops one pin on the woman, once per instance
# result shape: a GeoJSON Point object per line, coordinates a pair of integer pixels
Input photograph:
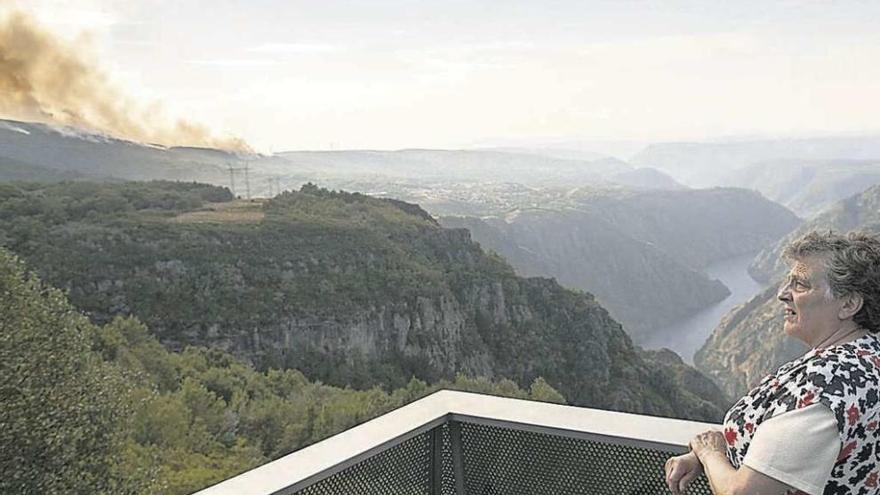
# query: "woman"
{"type": "Point", "coordinates": [812, 427]}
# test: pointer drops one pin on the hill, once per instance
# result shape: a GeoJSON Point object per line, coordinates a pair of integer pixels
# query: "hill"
{"type": "Point", "coordinates": [351, 290]}
{"type": "Point", "coordinates": [641, 286]}
{"type": "Point", "coordinates": [63, 152]}
{"type": "Point", "coordinates": [116, 413]}
{"type": "Point", "coordinates": [749, 342]}
{"type": "Point", "coordinates": [859, 211]}
{"type": "Point", "coordinates": [641, 253]}
{"type": "Point", "coordinates": [808, 186]}
{"type": "Point", "coordinates": [464, 165]}
{"type": "Point", "coordinates": [695, 227]}
{"type": "Point", "coordinates": [708, 164]}
{"type": "Point", "coordinates": [747, 345]}
{"type": "Point", "coordinates": [645, 178]}
{"type": "Point", "coordinates": [76, 151]}
{"type": "Point", "coordinates": [15, 170]}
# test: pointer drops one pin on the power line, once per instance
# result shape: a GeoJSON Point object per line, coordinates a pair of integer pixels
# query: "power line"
{"type": "Point", "coordinates": [274, 186]}
{"type": "Point", "coordinates": [247, 184]}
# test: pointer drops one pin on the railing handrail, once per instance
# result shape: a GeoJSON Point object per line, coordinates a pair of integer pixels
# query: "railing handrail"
{"type": "Point", "coordinates": [325, 458]}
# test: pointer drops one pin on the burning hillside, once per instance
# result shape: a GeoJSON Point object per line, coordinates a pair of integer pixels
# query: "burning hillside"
{"type": "Point", "coordinates": [46, 79]}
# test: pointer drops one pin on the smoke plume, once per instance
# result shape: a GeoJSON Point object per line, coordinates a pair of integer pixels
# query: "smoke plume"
{"type": "Point", "coordinates": [45, 79]}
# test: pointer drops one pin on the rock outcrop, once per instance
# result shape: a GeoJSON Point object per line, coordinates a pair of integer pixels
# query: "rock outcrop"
{"type": "Point", "coordinates": [747, 344]}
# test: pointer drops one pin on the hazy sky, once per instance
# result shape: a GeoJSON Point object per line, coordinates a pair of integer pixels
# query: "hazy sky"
{"type": "Point", "coordinates": [424, 73]}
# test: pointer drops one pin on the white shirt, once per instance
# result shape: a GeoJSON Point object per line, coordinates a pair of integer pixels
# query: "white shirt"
{"type": "Point", "coordinates": [798, 448]}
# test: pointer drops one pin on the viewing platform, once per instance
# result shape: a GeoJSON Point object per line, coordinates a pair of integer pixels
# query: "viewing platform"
{"type": "Point", "coordinates": [456, 443]}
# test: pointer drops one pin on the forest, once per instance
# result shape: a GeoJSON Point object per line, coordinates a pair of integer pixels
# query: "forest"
{"type": "Point", "coordinates": [107, 409]}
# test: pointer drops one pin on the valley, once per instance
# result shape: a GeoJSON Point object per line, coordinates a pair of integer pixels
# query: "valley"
{"type": "Point", "coordinates": [687, 336]}
{"type": "Point", "coordinates": [230, 231]}
{"type": "Point", "coordinates": [439, 267]}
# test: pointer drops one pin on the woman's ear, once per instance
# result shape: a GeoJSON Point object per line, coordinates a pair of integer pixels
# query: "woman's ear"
{"type": "Point", "coordinates": [852, 303]}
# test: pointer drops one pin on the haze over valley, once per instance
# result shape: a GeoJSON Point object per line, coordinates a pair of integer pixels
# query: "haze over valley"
{"type": "Point", "coordinates": [231, 251]}
{"type": "Point", "coordinates": [428, 265]}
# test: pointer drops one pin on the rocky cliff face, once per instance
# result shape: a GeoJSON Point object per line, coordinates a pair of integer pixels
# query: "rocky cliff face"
{"type": "Point", "coordinates": [352, 290]}
{"type": "Point", "coordinates": [748, 344]}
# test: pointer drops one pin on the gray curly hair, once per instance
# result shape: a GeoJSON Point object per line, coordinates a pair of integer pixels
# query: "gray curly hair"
{"type": "Point", "coordinates": [852, 266]}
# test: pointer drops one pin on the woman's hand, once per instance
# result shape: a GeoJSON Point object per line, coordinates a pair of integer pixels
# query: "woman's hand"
{"type": "Point", "coordinates": [681, 471]}
{"type": "Point", "coordinates": [709, 443]}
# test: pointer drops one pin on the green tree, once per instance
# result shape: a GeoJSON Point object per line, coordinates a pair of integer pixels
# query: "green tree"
{"type": "Point", "coordinates": [540, 390]}
{"type": "Point", "coordinates": [63, 413]}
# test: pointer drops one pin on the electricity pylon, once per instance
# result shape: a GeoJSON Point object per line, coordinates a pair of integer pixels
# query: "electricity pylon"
{"type": "Point", "coordinates": [247, 184]}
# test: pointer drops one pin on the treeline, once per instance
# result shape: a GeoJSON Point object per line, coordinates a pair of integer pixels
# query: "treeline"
{"type": "Point", "coordinates": [306, 257]}
{"type": "Point", "coordinates": [106, 409]}
{"type": "Point", "coordinates": [69, 201]}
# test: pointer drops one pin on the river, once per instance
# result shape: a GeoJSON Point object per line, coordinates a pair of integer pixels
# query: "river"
{"type": "Point", "coordinates": [688, 335]}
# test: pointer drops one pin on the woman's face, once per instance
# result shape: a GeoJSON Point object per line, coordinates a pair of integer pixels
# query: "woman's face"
{"type": "Point", "coordinates": [811, 311]}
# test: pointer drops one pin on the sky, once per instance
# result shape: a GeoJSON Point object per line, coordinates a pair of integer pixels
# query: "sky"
{"type": "Point", "coordinates": [387, 74]}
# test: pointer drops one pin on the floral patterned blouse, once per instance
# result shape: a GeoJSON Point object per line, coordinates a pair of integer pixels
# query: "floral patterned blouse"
{"type": "Point", "coordinates": [846, 379]}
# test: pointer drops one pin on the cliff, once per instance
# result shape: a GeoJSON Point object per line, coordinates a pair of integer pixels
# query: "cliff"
{"type": "Point", "coordinates": [135, 418]}
{"type": "Point", "coordinates": [349, 289]}
{"type": "Point", "coordinates": [748, 344]}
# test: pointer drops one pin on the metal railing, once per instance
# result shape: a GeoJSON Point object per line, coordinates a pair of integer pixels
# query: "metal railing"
{"type": "Point", "coordinates": [456, 443]}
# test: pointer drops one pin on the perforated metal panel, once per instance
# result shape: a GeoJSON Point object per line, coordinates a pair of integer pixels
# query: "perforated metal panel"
{"type": "Point", "coordinates": [497, 460]}
{"type": "Point", "coordinates": [404, 469]}
{"type": "Point", "coordinates": [447, 485]}
{"type": "Point", "coordinates": [505, 461]}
